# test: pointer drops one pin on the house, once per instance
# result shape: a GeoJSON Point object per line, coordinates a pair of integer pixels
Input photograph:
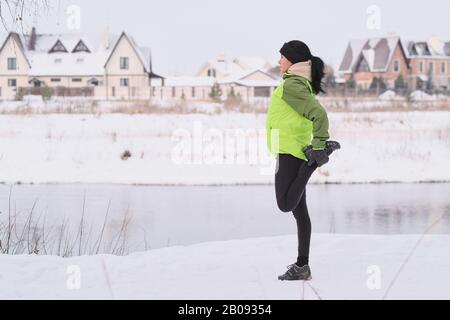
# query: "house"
{"type": "Point", "coordinates": [429, 61]}
{"type": "Point", "coordinates": [247, 77]}
{"type": "Point", "coordinates": [115, 67]}
{"type": "Point", "coordinates": [99, 65]}
{"type": "Point", "coordinates": [390, 57]}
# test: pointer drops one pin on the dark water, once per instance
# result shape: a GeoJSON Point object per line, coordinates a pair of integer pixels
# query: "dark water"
{"type": "Point", "coordinates": [170, 215]}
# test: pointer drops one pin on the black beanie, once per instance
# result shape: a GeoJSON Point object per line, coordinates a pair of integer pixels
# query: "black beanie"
{"type": "Point", "coordinates": [296, 51]}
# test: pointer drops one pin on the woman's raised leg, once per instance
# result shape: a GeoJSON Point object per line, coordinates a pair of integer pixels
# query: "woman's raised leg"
{"type": "Point", "coordinates": [290, 181]}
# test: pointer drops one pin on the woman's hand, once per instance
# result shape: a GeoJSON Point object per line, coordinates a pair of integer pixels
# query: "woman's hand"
{"type": "Point", "coordinates": [316, 156]}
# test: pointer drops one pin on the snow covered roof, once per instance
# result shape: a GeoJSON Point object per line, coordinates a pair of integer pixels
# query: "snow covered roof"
{"type": "Point", "coordinates": [433, 48]}
{"type": "Point", "coordinates": [376, 52]}
{"type": "Point", "coordinates": [225, 65]}
{"type": "Point", "coordinates": [248, 63]}
{"type": "Point", "coordinates": [232, 66]}
{"type": "Point", "coordinates": [45, 62]}
{"type": "Point", "coordinates": [56, 64]}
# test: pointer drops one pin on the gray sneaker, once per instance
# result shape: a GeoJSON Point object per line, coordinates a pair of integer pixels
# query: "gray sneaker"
{"type": "Point", "coordinates": [295, 272]}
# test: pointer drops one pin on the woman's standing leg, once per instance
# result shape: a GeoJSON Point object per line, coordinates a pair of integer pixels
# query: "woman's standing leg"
{"type": "Point", "coordinates": [290, 182]}
{"type": "Point", "coordinates": [301, 216]}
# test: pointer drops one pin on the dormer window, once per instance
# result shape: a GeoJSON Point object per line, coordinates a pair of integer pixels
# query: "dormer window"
{"type": "Point", "coordinates": [58, 47]}
{"type": "Point", "coordinates": [81, 47]}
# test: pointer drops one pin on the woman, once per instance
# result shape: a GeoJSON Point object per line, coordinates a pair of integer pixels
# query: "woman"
{"type": "Point", "coordinates": [297, 133]}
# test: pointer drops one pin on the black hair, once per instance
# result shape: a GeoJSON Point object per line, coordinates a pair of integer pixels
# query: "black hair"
{"type": "Point", "coordinates": [297, 51]}
{"type": "Point", "coordinates": [317, 74]}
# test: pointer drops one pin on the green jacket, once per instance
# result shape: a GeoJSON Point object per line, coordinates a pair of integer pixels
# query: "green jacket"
{"type": "Point", "coordinates": [300, 119]}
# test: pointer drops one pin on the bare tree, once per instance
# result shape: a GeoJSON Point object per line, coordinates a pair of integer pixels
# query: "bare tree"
{"type": "Point", "coordinates": [15, 12]}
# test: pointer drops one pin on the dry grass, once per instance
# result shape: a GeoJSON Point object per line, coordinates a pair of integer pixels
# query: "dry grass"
{"type": "Point", "coordinates": [180, 106]}
{"type": "Point", "coordinates": [35, 236]}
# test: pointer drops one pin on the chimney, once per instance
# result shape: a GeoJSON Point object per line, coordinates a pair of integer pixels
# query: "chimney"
{"type": "Point", "coordinates": [435, 43]}
{"type": "Point", "coordinates": [32, 41]}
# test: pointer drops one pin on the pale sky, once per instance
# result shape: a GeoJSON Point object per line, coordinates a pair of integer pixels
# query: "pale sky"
{"type": "Point", "coordinates": [183, 34]}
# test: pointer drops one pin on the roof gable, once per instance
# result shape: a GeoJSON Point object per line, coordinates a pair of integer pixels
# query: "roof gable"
{"type": "Point", "coordinates": [373, 54]}
{"type": "Point", "coordinates": [135, 49]}
{"type": "Point", "coordinates": [346, 63]}
{"type": "Point", "coordinates": [12, 36]}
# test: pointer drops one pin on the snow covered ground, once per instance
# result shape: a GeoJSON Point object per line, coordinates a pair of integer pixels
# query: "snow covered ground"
{"type": "Point", "coordinates": [343, 267]}
{"type": "Point", "coordinates": [229, 148]}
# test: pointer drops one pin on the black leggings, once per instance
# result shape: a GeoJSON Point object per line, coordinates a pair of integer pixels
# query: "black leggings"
{"type": "Point", "coordinates": [291, 178]}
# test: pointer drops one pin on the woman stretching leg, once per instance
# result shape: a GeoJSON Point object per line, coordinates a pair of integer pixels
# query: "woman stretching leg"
{"type": "Point", "coordinates": [299, 125]}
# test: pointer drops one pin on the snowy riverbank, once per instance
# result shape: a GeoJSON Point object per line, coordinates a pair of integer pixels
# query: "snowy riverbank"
{"type": "Point", "coordinates": [61, 148]}
{"type": "Point", "coordinates": [343, 266]}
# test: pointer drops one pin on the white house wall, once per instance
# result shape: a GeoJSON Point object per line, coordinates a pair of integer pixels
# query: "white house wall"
{"type": "Point", "coordinates": [12, 50]}
{"type": "Point", "coordinates": [138, 86]}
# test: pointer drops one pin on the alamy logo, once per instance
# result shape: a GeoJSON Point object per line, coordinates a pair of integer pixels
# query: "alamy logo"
{"type": "Point", "coordinates": [214, 146]}
{"type": "Point", "coordinates": [374, 17]}
{"type": "Point", "coordinates": [374, 280]}
{"type": "Point", "coordinates": [73, 21]}
{"type": "Point", "coordinates": [73, 281]}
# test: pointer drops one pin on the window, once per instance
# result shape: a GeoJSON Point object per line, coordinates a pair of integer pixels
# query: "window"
{"type": "Point", "coordinates": [55, 80]}
{"type": "Point", "coordinates": [124, 82]}
{"type": "Point", "coordinates": [262, 92]}
{"type": "Point", "coordinates": [12, 83]}
{"type": "Point", "coordinates": [58, 47]}
{"type": "Point", "coordinates": [443, 67]}
{"type": "Point", "coordinates": [12, 64]}
{"type": "Point", "coordinates": [76, 79]}
{"type": "Point", "coordinates": [396, 66]}
{"type": "Point", "coordinates": [193, 92]}
{"type": "Point", "coordinates": [80, 60]}
{"type": "Point", "coordinates": [173, 92]}
{"type": "Point", "coordinates": [421, 66]}
{"type": "Point", "coordinates": [362, 66]}
{"type": "Point", "coordinates": [58, 60]}
{"type": "Point", "coordinates": [431, 67]}
{"type": "Point", "coordinates": [124, 63]}
{"type": "Point", "coordinates": [212, 73]}
{"type": "Point", "coordinates": [81, 47]}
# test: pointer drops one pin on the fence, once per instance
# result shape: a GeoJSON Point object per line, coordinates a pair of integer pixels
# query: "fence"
{"type": "Point", "coordinates": [59, 91]}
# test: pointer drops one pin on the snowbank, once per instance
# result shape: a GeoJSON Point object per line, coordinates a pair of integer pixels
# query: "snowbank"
{"type": "Point", "coordinates": [376, 147]}
{"type": "Point", "coordinates": [343, 267]}
{"type": "Point", "coordinates": [419, 95]}
{"type": "Point", "coordinates": [388, 95]}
